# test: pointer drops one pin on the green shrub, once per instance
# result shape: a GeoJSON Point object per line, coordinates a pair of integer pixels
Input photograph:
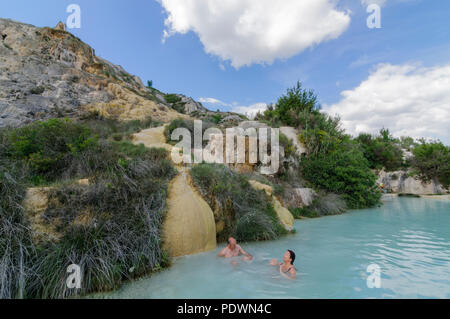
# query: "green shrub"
{"type": "Point", "coordinates": [172, 98]}
{"type": "Point", "coordinates": [345, 173]}
{"type": "Point", "coordinates": [111, 228]}
{"type": "Point", "coordinates": [247, 213]}
{"type": "Point", "coordinates": [47, 146]}
{"type": "Point", "coordinates": [431, 161]}
{"type": "Point", "coordinates": [37, 90]}
{"type": "Point", "coordinates": [301, 212]}
{"type": "Point", "coordinates": [332, 162]}
{"type": "Point", "coordinates": [382, 151]}
{"type": "Point", "coordinates": [287, 144]}
{"type": "Point", "coordinates": [105, 128]}
{"type": "Point", "coordinates": [293, 108]}
{"type": "Point", "coordinates": [323, 205]}
{"type": "Point", "coordinates": [120, 238]}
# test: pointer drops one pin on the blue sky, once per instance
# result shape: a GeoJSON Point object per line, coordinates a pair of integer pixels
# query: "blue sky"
{"type": "Point", "coordinates": [412, 44]}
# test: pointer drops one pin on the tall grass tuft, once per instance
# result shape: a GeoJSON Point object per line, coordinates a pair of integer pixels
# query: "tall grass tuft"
{"type": "Point", "coordinates": [110, 227]}
{"type": "Point", "coordinates": [246, 212]}
{"type": "Point", "coordinates": [16, 250]}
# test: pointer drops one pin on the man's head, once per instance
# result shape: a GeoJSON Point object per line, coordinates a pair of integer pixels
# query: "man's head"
{"type": "Point", "coordinates": [232, 242]}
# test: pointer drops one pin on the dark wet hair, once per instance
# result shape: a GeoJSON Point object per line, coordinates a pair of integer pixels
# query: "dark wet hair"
{"type": "Point", "coordinates": [292, 256]}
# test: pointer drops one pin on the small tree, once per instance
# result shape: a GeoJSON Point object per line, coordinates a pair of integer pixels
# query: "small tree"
{"type": "Point", "coordinates": [432, 162]}
{"type": "Point", "coordinates": [149, 84]}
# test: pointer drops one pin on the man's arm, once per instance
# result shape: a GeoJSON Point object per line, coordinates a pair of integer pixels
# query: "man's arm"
{"type": "Point", "coordinates": [222, 252]}
{"type": "Point", "coordinates": [243, 252]}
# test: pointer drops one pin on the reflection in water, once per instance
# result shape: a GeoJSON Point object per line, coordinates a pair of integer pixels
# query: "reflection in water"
{"type": "Point", "coordinates": [408, 238]}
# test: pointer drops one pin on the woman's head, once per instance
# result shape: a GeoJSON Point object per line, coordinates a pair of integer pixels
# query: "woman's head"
{"type": "Point", "coordinates": [289, 257]}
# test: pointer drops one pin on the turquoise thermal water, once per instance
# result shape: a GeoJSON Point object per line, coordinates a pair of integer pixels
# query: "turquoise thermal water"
{"type": "Point", "coordinates": [409, 238]}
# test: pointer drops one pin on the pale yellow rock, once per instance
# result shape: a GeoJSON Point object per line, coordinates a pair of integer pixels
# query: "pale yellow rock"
{"type": "Point", "coordinates": [260, 186]}
{"type": "Point", "coordinates": [284, 215]}
{"type": "Point", "coordinates": [152, 137]}
{"type": "Point", "coordinates": [126, 105]}
{"type": "Point", "coordinates": [36, 200]}
{"type": "Point", "coordinates": [35, 204]}
{"type": "Point", "coordinates": [84, 182]}
{"type": "Point", "coordinates": [189, 227]}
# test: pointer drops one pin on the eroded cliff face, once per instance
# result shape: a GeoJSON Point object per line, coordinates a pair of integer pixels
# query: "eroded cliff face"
{"type": "Point", "coordinates": [46, 72]}
{"type": "Point", "coordinates": [401, 182]}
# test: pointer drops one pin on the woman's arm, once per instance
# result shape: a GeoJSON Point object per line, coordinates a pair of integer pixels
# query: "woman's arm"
{"type": "Point", "coordinates": [274, 262]}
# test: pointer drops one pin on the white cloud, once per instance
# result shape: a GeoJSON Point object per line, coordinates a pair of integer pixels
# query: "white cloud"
{"type": "Point", "coordinates": [408, 99]}
{"type": "Point", "coordinates": [251, 110]}
{"type": "Point", "coordinates": [256, 31]}
{"type": "Point", "coordinates": [211, 100]}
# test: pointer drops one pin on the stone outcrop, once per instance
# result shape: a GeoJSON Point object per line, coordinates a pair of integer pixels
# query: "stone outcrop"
{"type": "Point", "coordinates": [292, 134]}
{"type": "Point", "coordinates": [252, 161]}
{"type": "Point", "coordinates": [299, 197]}
{"type": "Point", "coordinates": [60, 26]}
{"type": "Point", "coordinates": [284, 215]}
{"type": "Point", "coordinates": [48, 72]}
{"type": "Point", "coordinates": [191, 106]}
{"type": "Point", "coordinates": [35, 204]}
{"type": "Point", "coordinates": [401, 182]}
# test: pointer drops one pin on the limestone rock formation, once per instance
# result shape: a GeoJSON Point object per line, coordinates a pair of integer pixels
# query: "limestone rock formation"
{"type": "Point", "coordinates": [284, 215]}
{"type": "Point", "coordinates": [189, 226]}
{"type": "Point", "coordinates": [48, 72]}
{"type": "Point", "coordinates": [191, 106]}
{"type": "Point", "coordinates": [401, 182]}
{"type": "Point", "coordinates": [60, 26]}
{"type": "Point", "coordinates": [306, 194]}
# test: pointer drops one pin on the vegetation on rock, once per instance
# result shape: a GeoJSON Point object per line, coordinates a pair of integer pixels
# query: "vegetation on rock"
{"type": "Point", "coordinates": [245, 212]}
{"type": "Point", "coordinates": [110, 228]}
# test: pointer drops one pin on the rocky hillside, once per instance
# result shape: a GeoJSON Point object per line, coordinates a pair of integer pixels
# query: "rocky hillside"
{"type": "Point", "coordinates": [48, 72]}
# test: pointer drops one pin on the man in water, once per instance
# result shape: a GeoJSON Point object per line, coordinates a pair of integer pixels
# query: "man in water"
{"type": "Point", "coordinates": [287, 268]}
{"type": "Point", "coordinates": [234, 250]}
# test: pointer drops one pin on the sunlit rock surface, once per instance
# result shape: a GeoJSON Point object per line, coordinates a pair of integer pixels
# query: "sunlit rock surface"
{"type": "Point", "coordinates": [189, 226]}
{"type": "Point", "coordinates": [284, 215]}
{"type": "Point", "coordinates": [48, 72]}
{"type": "Point", "coordinates": [401, 182]}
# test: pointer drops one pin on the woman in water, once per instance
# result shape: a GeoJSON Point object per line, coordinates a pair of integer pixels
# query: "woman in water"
{"type": "Point", "coordinates": [287, 268]}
